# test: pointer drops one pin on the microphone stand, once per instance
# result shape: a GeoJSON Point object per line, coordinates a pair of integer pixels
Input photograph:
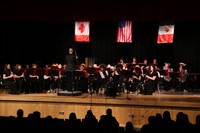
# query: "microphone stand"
{"type": "Point", "coordinates": [90, 90]}
{"type": "Point", "coordinates": [127, 97]}
{"type": "Point", "coordinates": [90, 87]}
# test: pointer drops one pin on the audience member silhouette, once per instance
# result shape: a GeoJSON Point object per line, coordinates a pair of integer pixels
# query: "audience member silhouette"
{"type": "Point", "coordinates": [73, 124]}
{"type": "Point", "coordinates": [90, 123]}
{"type": "Point", "coordinates": [108, 123]}
{"type": "Point", "coordinates": [182, 123]}
{"type": "Point", "coordinates": [197, 124]}
{"type": "Point", "coordinates": [129, 128]}
{"type": "Point", "coordinates": [20, 113]}
{"type": "Point", "coordinates": [150, 126]}
{"type": "Point", "coordinates": [168, 123]}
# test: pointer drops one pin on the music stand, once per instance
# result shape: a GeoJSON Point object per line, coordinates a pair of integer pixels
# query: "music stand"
{"type": "Point", "coordinates": [113, 85]}
{"type": "Point", "coordinates": [162, 72]}
{"type": "Point", "coordinates": [126, 74]}
{"type": "Point", "coordinates": [78, 75]}
{"type": "Point", "coordinates": [41, 72]}
{"type": "Point", "coordinates": [91, 79]}
{"type": "Point", "coordinates": [91, 88]}
{"type": "Point", "coordinates": [174, 75]}
{"type": "Point", "coordinates": [52, 73]}
{"type": "Point", "coordinates": [128, 86]}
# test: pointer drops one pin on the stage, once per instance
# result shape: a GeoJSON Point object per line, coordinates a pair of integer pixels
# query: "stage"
{"type": "Point", "coordinates": [126, 107]}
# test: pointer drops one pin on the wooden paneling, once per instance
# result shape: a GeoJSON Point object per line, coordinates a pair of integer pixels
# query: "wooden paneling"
{"type": "Point", "coordinates": [137, 109]}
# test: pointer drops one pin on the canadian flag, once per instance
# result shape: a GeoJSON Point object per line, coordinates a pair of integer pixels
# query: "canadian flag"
{"type": "Point", "coordinates": [82, 31]}
{"type": "Point", "coordinates": [165, 34]}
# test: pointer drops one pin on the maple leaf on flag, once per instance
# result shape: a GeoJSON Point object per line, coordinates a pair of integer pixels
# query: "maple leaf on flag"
{"type": "Point", "coordinates": [82, 31]}
{"type": "Point", "coordinates": [165, 34]}
{"type": "Point", "coordinates": [81, 28]}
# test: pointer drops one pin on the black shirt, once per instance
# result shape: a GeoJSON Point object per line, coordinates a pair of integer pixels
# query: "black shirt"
{"type": "Point", "coordinates": [7, 72]}
{"type": "Point", "coordinates": [70, 61]}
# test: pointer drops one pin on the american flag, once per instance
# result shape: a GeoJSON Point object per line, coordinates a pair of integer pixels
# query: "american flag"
{"type": "Point", "coordinates": [124, 33]}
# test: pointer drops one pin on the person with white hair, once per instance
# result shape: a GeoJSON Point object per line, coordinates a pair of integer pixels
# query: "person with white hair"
{"type": "Point", "coordinates": [70, 60]}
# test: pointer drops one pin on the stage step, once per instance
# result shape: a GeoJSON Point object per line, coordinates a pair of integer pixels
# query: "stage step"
{"type": "Point", "coordinates": [69, 93]}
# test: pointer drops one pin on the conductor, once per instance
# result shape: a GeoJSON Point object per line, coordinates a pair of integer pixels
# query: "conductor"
{"type": "Point", "coordinates": [70, 60]}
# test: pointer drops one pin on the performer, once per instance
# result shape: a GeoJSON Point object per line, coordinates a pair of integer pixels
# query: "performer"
{"type": "Point", "coordinates": [56, 74]}
{"type": "Point", "coordinates": [150, 81]}
{"type": "Point", "coordinates": [182, 80]}
{"type": "Point", "coordinates": [121, 63]}
{"type": "Point", "coordinates": [134, 61]}
{"type": "Point", "coordinates": [144, 67]}
{"type": "Point", "coordinates": [136, 74]}
{"type": "Point", "coordinates": [8, 79]}
{"type": "Point", "coordinates": [103, 77]}
{"type": "Point", "coordinates": [155, 63]}
{"type": "Point", "coordinates": [166, 78]}
{"type": "Point", "coordinates": [135, 79]}
{"type": "Point", "coordinates": [183, 72]}
{"type": "Point", "coordinates": [70, 60]}
{"type": "Point", "coordinates": [81, 78]}
{"type": "Point", "coordinates": [19, 78]}
{"type": "Point", "coordinates": [32, 79]}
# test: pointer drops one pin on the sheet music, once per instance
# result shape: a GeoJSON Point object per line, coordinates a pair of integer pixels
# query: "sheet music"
{"type": "Point", "coordinates": [102, 75]}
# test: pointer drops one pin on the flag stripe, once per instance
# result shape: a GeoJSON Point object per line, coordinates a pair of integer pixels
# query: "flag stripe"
{"type": "Point", "coordinates": [80, 38]}
{"type": "Point", "coordinates": [165, 38]}
{"type": "Point", "coordinates": [165, 34]}
{"type": "Point", "coordinates": [124, 33]}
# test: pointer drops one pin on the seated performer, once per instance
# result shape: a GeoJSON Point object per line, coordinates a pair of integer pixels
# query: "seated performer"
{"type": "Point", "coordinates": [64, 77]}
{"type": "Point", "coordinates": [47, 79]}
{"type": "Point", "coordinates": [155, 63]}
{"type": "Point", "coordinates": [81, 78]}
{"type": "Point", "coordinates": [113, 84]}
{"type": "Point", "coordinates": [144, 64]}
{"type": "Point", "coordinates": [134, 61]}
{"type": "Point", "coordinates": [8, 79]}
{"type": "Point", "coordinates": [55, 74]}
{"type": "Point", "coordinates": [103, 77]}
{"type": "Point", "coordinates": [181, 82]}
{"type": "Point", "coordinates": [144, 68]}
{"type": "Point", "coordinates": [135, 79]}
{"type": "Point", "coordinates": [150, 82]}
{"type": "Point", "coordinates": [167, 84]}
{"type": "Point", "coordinates": [122, 63]}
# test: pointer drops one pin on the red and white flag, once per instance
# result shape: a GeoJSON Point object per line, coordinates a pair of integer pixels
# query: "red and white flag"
{"type": "Point", "coordinates": [165, 34]}
{"type": "Point", "coordinates": [124, 33]}
{"type": "Point", "coordinates": [82, 31]}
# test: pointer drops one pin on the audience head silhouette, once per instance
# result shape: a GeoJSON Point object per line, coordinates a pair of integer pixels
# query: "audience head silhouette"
{"type": "Point", "coordinates": [20, 113]}
{"type": "Point", "coordinates": [72, 116]}
{"type": "Point", "coordinates": [109, 112]}
{"type": "Point", "coordinates": [129, 126]}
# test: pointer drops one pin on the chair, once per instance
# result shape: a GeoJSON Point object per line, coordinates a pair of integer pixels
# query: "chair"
{"type": "Point", "coordinates": [112, 86]}
{"type": "Point", "coordinates": [3, 86]}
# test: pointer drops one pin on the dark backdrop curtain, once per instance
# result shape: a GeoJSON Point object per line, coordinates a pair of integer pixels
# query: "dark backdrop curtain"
{"type": "Point", "coordinates": [44, 42]}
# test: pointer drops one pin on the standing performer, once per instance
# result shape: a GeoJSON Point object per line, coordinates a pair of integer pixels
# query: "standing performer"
{"type": "Point", "coordinates": [8, 79]}
{"type": "Point", "coordinates": [70, 60]}
{"type": "Point", "coordinates": [18, 75]}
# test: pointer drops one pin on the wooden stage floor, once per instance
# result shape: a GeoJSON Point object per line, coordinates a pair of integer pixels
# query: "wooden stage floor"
{"type": "Point", "coordinates": [131, 107]}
